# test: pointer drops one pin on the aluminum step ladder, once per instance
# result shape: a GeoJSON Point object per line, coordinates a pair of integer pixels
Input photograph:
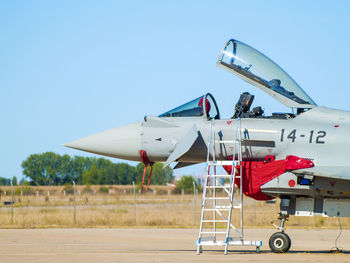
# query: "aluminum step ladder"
{"type": "Point", "coordinates": [220, 198]}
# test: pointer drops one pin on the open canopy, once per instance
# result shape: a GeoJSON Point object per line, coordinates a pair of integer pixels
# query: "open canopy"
{"type": "Point", "coordinates": [260, 71]}
{"type": "Point", "coordinates": [196, 108]}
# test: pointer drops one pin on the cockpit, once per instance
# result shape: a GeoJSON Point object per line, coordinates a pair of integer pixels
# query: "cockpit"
{"type": "Point", "coordinates": [202, 106]}
{"type": "Point", "coordinates": [258, 70]}
{"type": "Point", "coordinates": [209, 109]}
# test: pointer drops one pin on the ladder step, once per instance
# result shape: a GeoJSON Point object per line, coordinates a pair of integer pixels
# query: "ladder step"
{"type": "Point", "coordinates": [212, 232]}
{"type": "Point", "coordinates": [218, 175]}
{"type": "Point", "coordinates": [220, 163]}
{"type": "Point", "coordinates": [223, 206]}
{"type": "Point", "coordinates": [216, 221]}
{"type": "Point", "coordinates": [218, 187]}
{"type": "Point", "coordinates": [217, 198]}
{"type": "Point", "coordinates": [231, 141]}
{"type": "Point", "coordinates": [212, 209]}
{"type": "Point", "coordinates": [222, 176]}
{"type": "Point", "coordinates": [231, 242]}
{"type": "Point", "coordinates": [207, 238]}
{"type": "Point", "coordinates": [226, 141]}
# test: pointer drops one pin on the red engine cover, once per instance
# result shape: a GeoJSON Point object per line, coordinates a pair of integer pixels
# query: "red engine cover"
{"type": "Point", "coordinates": [257, 173]}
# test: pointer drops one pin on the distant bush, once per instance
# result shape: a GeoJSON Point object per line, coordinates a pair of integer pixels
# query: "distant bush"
{"type": "Point", "coordinates": [161, 191]}
{"type": "Point", "coordinates": [87, 190]}
{"type": "Point", "coordinates": [25, 183]}
{"type": "Point", "coordinates": [16, 191]}
{"type": "Point", "coordinates": [185, 183]}
{"type": "Point", "coordinates": [103, 190]}
{"type": "Point", "coordinates": [27, 190]}
{"type": "Point", "coordinates": [5, 181]}
{"type": "Point", "coordinates": [69, 189]}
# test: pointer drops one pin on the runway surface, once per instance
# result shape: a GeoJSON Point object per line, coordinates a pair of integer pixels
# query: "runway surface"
{"type": "Point", "coordinates": [160, 245]}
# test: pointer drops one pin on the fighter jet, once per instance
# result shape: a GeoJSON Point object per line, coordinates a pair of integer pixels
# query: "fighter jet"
{"type": "Point", "coordinates": [301, 156]}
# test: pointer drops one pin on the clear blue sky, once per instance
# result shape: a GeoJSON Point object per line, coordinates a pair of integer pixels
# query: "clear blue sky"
{"type": "Point", "coordinates": [73, 68]}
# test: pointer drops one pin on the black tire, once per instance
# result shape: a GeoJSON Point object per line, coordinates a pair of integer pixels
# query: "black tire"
{"type": "Point", "coordinates": [280, 242]}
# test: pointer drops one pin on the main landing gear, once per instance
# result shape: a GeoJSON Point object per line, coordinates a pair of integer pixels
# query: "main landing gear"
{"type": "Point", "coordinates": [280, 242]}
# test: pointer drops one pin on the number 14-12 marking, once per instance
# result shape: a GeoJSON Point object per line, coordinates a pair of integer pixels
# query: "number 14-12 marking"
{"type": "Point", "coordinates": [316, 137]}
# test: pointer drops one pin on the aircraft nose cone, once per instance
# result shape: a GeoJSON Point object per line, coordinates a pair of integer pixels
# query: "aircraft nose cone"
{"type": "Point", "coordinates": [121, 142]}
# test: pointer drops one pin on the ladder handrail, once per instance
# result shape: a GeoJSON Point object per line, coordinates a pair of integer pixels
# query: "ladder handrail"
{"type": "Point", "coordinates": [241, 175]}
{"type": "Point", "coordinates": [214, 172]}
{"type": "Point", "coordinates": [237, 149]}
{"type": "Point", "coordinates": [205, 187]}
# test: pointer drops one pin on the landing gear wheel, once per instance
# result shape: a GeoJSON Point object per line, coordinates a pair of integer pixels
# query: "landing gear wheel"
{"type": "Point", "coordinates": [279, 242]}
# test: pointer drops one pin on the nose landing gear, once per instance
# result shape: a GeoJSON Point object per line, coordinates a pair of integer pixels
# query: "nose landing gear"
{"type": "Point", "coordinates": [280, 242]}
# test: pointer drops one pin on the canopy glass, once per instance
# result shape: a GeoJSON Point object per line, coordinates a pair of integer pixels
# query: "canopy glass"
{"type": "Point", "coordinates": [260, 71]}
{"type": "Point", "coordinates": [196, 108]}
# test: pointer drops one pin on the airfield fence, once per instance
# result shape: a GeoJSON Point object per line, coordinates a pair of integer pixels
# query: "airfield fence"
{"type": "Point", "coordinates": [125, 206]}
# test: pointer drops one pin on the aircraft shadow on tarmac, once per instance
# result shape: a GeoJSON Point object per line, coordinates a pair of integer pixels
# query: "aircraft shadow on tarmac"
{"type": "Point", "coordinates": [253, 251]}
{"type": "Point", "coordinates": [318, 252]}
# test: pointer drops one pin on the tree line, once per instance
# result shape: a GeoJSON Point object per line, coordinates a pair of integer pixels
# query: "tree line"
{"type": "Point", "coordinates": [50, 168]}
{"type": "Point", "coordinates": [7, 181]}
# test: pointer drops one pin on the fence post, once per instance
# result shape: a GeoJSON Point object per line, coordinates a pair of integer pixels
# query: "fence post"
{"type": "Point", "coordinates": [11, 202]}
{"type": "Point", "coordinates": [194, 202]}
{"type": "Point", "coordinates": [75, 203]}
{"type": "Point", "coordinates": [133, 183]}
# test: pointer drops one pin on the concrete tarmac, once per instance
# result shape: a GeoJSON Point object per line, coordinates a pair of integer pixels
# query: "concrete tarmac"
{"type": "Point", "coordinates": [160, 245]}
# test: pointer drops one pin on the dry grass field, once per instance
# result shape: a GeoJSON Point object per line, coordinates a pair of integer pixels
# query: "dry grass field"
{"type": "Point", "coordinates": [51, 207]}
